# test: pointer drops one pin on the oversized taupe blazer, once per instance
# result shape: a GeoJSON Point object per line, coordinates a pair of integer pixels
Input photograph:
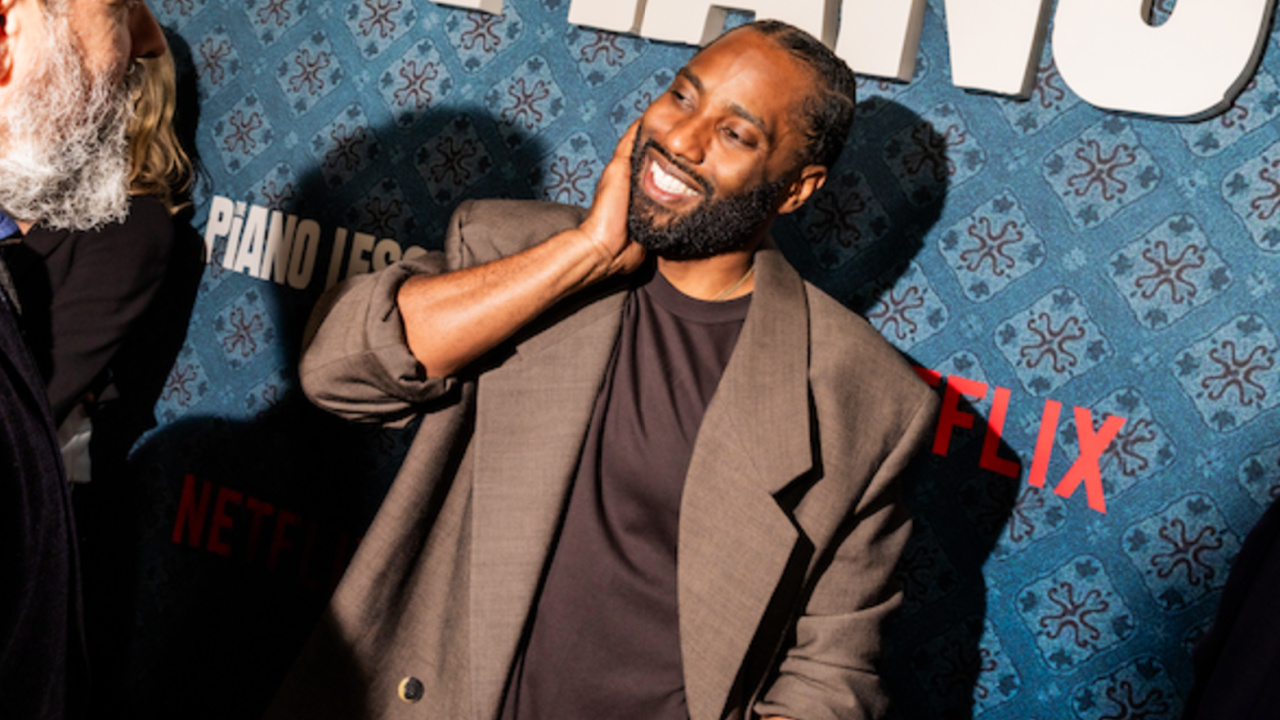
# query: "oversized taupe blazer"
{"type": "Point", "coordinates": [790, 522]}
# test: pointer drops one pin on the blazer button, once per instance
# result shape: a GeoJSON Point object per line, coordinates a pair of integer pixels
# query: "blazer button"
{"type": "Point", "coordinates": [410, 690]}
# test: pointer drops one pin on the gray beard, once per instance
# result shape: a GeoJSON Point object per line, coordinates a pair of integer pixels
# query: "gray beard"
{"type": "Point", "coordinates": [65, 158]}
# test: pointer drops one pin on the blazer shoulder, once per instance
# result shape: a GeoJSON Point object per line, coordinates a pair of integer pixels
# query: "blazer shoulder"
{"type": "Point", "coordinates": [846, 351]}
{"type": "Point", "coordinates": [485, 230]}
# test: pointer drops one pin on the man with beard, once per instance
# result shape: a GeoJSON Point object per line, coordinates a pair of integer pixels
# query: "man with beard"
{"type": "Point", "coordinates": [655, 475]}
{"type": "Point", "coordinates": [64, 104]}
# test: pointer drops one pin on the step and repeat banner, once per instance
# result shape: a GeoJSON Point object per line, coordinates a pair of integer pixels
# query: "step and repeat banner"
{"type": "Point", "coordinates": [1093, 293]}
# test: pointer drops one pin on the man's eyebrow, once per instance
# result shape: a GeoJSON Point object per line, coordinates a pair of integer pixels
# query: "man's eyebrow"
{"type": "Point", "coordinates": [692, 79]}
{"type": "Point", "coordinates": [750, 117]}
{"type": "Point", "coordinates": [734, 108]}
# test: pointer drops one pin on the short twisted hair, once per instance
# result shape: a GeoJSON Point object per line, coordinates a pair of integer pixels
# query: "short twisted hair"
{"type": "Point", "coordinates": [828, 112]}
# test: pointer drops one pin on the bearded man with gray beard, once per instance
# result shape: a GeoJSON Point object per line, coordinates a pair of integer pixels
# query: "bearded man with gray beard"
{"type": "Point", "coordinates": [64, 105]}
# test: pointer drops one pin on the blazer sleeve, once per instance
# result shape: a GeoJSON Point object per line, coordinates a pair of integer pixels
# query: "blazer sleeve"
{"type": "Point", "coordinates": [356, 362]}
{"type": "Point", "coordinates": [829, 671]}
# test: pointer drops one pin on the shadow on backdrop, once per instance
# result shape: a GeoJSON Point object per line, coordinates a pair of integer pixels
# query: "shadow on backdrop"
{"type": "Point", "coordinates": [933, 647]}
{"type": "Point", "coordinates": [857, 236]}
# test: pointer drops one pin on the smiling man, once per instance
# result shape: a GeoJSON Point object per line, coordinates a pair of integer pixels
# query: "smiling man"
{"type": "Point", "coordinates": [656, 471]}
{"type": "Point", "coordinates": [64, 105]}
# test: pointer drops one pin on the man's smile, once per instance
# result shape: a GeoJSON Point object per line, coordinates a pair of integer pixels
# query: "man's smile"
{"type": "Point", "coordinates": [666, 183]}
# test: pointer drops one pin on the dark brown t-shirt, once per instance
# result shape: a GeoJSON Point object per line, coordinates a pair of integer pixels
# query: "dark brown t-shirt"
{"type": "Point", "coordinates": [604, 640]}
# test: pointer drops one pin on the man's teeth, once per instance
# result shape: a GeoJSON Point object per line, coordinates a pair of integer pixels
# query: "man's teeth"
{"type": "Point", "coordinates": [668, 183]}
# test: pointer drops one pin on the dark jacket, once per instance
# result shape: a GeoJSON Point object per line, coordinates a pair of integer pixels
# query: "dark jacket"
{"type": "Point", "coordinates": [1237, 662]}
{"type": "Point", "coordinates": [43, 666]}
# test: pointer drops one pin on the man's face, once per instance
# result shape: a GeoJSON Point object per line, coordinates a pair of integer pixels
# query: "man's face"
{"type": "Point", "coordinates": [718, 153]}
{"type": "Point", "coordinates": [66, 106]}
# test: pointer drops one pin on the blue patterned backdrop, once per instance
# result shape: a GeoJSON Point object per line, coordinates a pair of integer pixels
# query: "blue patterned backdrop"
{"type": "Point", "coordinates": [1060, 258]}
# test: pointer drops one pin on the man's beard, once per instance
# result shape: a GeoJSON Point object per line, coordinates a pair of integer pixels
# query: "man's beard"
{"type": "Point", "coordinates": [65, 157]}
{"type": "Point", "coordinates": [716, 226]}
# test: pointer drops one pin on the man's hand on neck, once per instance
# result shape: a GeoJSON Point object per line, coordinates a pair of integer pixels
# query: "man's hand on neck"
{"type": "Point", "coordinates": [605, 229]}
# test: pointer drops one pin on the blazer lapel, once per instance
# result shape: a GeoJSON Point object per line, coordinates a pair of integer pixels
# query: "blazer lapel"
{"type": "Point", "coordinates": [531, 420]}
{"type": "Point", "coordinates": [735, 540]}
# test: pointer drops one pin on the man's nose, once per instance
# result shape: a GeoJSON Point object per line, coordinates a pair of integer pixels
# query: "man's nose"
{"type": "Point", "coordinates": [688, 139]}
{"type": "Point", "coordinates": [146, 38]}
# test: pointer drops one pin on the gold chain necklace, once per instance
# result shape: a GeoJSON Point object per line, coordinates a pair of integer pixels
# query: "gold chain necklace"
{"type": "Point", "coordinates": [741, 281]}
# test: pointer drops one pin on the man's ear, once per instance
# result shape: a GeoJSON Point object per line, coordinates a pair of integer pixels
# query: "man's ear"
{"type": "Point", "coordinates": [811, 178]}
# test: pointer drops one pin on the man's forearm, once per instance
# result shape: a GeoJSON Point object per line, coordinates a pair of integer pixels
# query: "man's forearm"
{"type": "Point", "coordinates": [452, 319]}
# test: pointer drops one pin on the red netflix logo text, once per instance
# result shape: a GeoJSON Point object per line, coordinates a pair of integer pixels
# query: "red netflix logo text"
{"type": "Point", "coordinates": [258, 533]}
{"type": "Point", "coordinates": [1092, 443]}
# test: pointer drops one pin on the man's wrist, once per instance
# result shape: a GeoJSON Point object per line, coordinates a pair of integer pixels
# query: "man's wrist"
{"type": "Point", "coordinates": [590, 259]}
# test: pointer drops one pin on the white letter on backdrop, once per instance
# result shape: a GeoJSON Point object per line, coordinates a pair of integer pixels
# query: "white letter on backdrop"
{"type": "Point", "coordinates": [252, 241]}
{"type": "Point", "coordinates": [275, 259]}
{"type": "Point", "coordinates": [995, 44]}
{"type": "Point", "coordinates": [1190, 67]}
{"type": "Point", "coordinates": [302, 261]}
{"type": "Point", "coordinates": [493, 7]}
{"type": "Point", "coordinates": [221, 211]}
{"type": "Point", "coordinates": [677, 20]}
{"type": "Point", "coordinates": [881, 37]}
{"type": "Point", "coordinates": [615, 15]}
